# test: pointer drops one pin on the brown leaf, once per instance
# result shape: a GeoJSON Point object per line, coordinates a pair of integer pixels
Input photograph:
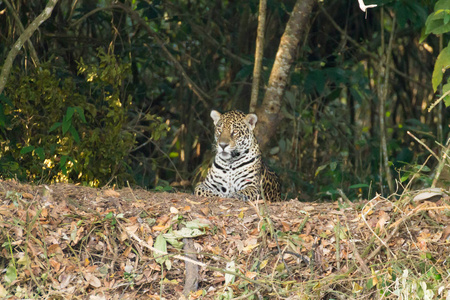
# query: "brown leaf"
{"type": "Point", "coordinates": [127, 251]}
{"type": "Point", "coordinates": [54, 264]}
{"type": "Point", "coordinates": [286, 226]}
{"type": "Point", "coordinates": [111, 193]}
{"type": "Point", "coordinates": [27, 196]}
{"type": "Point", "coordinates": [445, 233]}
{"type": "Point", "coordinates": [205, 210]}
{"type": "Point", "coordinates": [150, 240]}
{"type": "Point", "coordinates": [163, 220]}
{"type": "Point", "coordinates": [92, 280]}
{"type": "Point", "coordinates": [54, 249]}
{"type": "Point", "coordinates": [383, 218]}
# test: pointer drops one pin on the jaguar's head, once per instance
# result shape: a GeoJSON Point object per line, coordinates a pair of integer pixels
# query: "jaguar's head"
{"type": "Point", "coordinates": [233, 133]}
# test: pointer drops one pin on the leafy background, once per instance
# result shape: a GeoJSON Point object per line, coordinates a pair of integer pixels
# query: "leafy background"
{"type": "Point", "coordinates": [111, 99]}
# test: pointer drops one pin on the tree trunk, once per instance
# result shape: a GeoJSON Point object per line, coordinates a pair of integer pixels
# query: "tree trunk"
{"type": "Point", "coordinates": [269, 113]}
{"type": "Point", "coordinates": [258, 55]}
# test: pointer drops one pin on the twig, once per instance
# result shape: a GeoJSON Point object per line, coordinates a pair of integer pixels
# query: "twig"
{"type": "Point", "coordinates": [363, 265]}
{"type": "Point", "coordinates": [419, 208]}
{"type": "Point", "coordinates": [423, 144]}
{"type": "Point", "coordinates": [45, 14]}
{"type": "Point", "coordinates": [338, 243]}
{"type": "Point", "coordinates": [370, 228]}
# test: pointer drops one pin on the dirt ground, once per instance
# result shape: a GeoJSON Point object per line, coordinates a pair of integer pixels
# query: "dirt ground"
{"type": "Point", "coordinates": [71, 242]}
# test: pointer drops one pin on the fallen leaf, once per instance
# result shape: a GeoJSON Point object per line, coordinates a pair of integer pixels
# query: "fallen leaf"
{"type": "Point", "coordinates": [251, 275]}
{"type": "Point", "coordinates": [445, 233]}
{"type": "Point", "coordinates": [3, 291]}
{"type": "Point", "coordinates": [205, 210]}
{"type": "Point", "coordinates": [54, 249]}
{"type": "Point", "coordinates": [127, 251]}
{"type": "Point", "coordinates": [383, 218]}
{"type": "Point", "coordinates": [95, 297]}
{"type": "Point", "coordinates": [27, 196]}
{"type": "Point", "coordinates": [286, 226]}
{"type": "Point", "coordinates": [55, 264]}
{"type": "Point", "coordinates": [92, 280]}
{"type": "Point", "coordinates": [64, 279]}
{"type": "Point", "coordinates": [163, 220]}
{"type": "Point", "coordinates": [111, 193]}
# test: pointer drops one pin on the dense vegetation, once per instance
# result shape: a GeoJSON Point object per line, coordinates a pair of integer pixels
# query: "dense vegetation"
{"type": "Point", "coordinates": [109, 92]}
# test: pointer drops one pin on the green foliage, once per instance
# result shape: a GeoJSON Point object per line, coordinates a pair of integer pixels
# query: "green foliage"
{"type": "Point", "coordinates": [53, 132]}
{"type": "Point", "coordinates": [88, 114]}
{"type": "Point", "coordinates": [438, 23]}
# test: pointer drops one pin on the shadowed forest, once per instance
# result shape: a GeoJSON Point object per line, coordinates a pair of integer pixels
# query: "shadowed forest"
{"type": "Point", "coordinates": [115, 92]}
{"type": "Point", "coordinates": [105, 106]}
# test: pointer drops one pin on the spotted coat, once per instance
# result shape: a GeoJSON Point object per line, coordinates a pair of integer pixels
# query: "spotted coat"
{"type": "Point", "coordinates": [237, 170]}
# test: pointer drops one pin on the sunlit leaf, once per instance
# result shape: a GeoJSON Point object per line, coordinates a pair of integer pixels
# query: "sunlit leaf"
{"type": "Point", "coordinates": [441, 65]}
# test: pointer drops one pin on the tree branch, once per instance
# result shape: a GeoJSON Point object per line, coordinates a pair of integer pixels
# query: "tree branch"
{"type": "Point", "coordinates": [33, 52]}
{"type": "Point", "coordinates": [45, 14]}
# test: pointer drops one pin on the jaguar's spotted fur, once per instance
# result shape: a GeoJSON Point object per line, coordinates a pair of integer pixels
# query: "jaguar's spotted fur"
{"type": "Point", "coordinates": [237, 171]}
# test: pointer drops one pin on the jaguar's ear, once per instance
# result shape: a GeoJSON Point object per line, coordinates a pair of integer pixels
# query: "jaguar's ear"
{"type": "Point", "coordinates": [215, 115]}
{"type": "Point", "coordinates": [251, 120]}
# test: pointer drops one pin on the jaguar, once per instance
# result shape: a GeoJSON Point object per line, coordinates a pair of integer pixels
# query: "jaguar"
{"type": "Point", "coordinates": [238, 171]}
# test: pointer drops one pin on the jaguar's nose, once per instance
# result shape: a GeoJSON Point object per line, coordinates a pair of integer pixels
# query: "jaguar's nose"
{"type": "Point", "coordinates": [223, 145]}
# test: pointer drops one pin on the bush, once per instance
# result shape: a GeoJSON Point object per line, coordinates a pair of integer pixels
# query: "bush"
{"type": "Point", "coordinates": [67, 129]}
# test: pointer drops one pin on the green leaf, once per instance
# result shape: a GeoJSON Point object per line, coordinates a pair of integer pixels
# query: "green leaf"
{"type": "Point", "coordinates": [196, 224]}
{"type": "Point", "coordinates": [66, 125]}
{"type": "Point", "coordinates": [69, 113]}
{"type": "Point", "coordinates": [441, 65]}
{"type": "Point", "coordinates": [160, 244]}
{"type": "Point", "coordinates": [26, 149]}
{"type": "Point", "coordinates": [109, 216]}
{"type": "Point", "coordinates": [445, 89]}
{"type": "Point", "coordinates": [173, 154]}
{"type": "Point", "coordinates": [436, 21]}
{"type": "Point", "coordinates": [359, 185]}
{"type": "Point", "coordinates": [80, 113]}
{"type": "Point", "coordinates": [54, 126]}
{"type": "Point", "coordinates": [11, 274]}
{"type": "Point", "coordinates": [40, 152]}
{"type": "Point", "coordinates": [320, 168]}
{"type": "Point", "coordinates": [74, 133]}
{"type": "Point", "coordinates": [62, 164]}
